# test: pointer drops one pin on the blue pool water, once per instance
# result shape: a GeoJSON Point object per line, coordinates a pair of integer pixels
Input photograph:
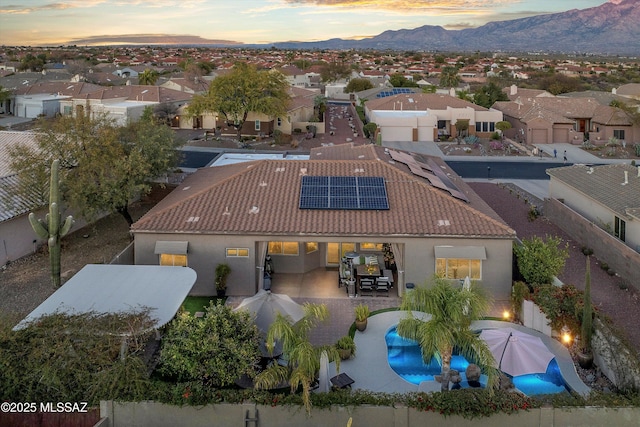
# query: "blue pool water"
{"type": "Point", "coordinates": [405, 358]}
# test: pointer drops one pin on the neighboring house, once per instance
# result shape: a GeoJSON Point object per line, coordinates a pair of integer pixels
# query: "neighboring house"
{"type": "Point", "coordinates": [123, 103]}
{"type": "Point", "coordinates": [630, 90]}
{"type": "Point", "coordinates": [308, 213]}
{"type": "Point", "coordinates": [17, 238]}
{"type": "Point", "coordinates": [199, 85]}
{"type": "Point", "coordinates": [608, 196]}
{"type": "Point", "coordinates": [425, 117]}
{"type": "Point", "coordinates": [300, 112]}
{"type": "Point", "coordinates": [44, 98]}
{"type": "Point", "coordinates": [543, 119]}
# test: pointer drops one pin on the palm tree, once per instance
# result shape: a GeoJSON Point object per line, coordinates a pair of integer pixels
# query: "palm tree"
{"type": "Point", "coordinates": [452, 312]}
{"type": "Point", "coordinates": [303, 359]}
{"type": "Point", "coordinates": [148, 77]}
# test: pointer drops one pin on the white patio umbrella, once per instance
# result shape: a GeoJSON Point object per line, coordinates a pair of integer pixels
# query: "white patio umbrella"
{"type": "Point", "coordinates": [264, 307]}
{"type": "Point", "coordinates": [323, 378]}
{"type": "Point", "coordinates": [517, 353]}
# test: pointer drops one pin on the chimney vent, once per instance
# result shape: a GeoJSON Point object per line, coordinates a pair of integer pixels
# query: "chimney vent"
{"type": "Point", "coordinates": [626, 178]}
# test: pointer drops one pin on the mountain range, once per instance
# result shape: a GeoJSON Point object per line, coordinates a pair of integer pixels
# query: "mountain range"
{"type": "Point", "coordinates": [611, 28]}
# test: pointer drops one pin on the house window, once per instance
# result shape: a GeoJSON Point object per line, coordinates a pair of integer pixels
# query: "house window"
{"type": "Point", "coordinates": [66, 110]}
{"type": "Point", "coordinates": [619, 134]}
{"type": "Point", "coordinates": [173, 260]}
{"type": "Point", "coordinates": [492, 127]}
{"type": "Point", "coordinates": [283, 248]}
{"type": "Point", "coordinates": [279, 122]}
{"type": "Point", "coordinates": [371, 246]}
{"type": "Point", "coordinates": [620, 229]}
{"type": "Point", "coordinates": [172, 253]}
{"type": "Point", "coordinates": [237, 252]}
{"type": "Point", "coordinates": [257, 125]}
{"type": "Point", "coordinates": [459, 268]}
{"type": "Point", "coordinates": [311, 247]}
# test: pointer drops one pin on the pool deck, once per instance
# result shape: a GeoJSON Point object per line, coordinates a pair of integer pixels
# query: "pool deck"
{"type": "Point", "coordinates": [371, 371]}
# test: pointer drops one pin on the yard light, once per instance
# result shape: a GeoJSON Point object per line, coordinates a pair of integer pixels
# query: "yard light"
{"type": "Point", "coordinates": [566, 335]}
{"type": "Point", "coordinates": [506, 315]}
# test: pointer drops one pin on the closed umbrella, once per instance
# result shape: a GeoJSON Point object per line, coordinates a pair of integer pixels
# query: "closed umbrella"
{"type": "Point", "coordinates": [517, 353]}
{"type": "Point", "coordinates": [323, 378]}
{"type": "Point", "coordinates": [466, 286]}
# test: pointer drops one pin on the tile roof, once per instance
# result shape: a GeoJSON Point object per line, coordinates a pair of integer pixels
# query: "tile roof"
{"type": "Point", "coordinates": [60, 87]}
{"type": "Point", "coordinates": [420, 102]}
{"type": "Point", "coordinates": [138, 93]}
{"type": "Point", "coordinates": [261, 197]}
{"type": "Point", "coordinates": [604, 185]}
{"type": "Point", "coordinates": [12, 139]}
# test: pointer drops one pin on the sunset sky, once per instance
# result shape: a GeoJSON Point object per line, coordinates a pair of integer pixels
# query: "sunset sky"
{"type": "Point", "coordinates": [54, 22]}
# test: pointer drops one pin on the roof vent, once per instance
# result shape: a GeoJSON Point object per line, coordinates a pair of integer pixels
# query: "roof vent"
{"type": "Point", "coordinates": [186, 188]}
{"type": "Point", "coordinates": [638, 171]}
{"type": "Point", "coordinates": [193, 219]}
{"type": "Point", "coordinates": [361, 156]}
{"type": "Point", "coordinates": [280, 169]}
{"type": "Point", "coordinates": [254, 210]}
{"type": "Point", "coordinates": [626, 178]}
{"type": "Point", "coordinates": [226, 211]}
{"type": "Point", "coordinates": [358, 170]}
{"type": "Point", "coordinates": [443, 222]}
{"type": "Point", "coordinates": [590, 171]}
{"type": "Point", "coordinates": [303, 171]}
{"type": "Point", "coordinates": [263, 184]}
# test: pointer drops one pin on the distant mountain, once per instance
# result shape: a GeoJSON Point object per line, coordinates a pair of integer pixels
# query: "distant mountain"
{"type": "Point", "coordinates": [151, 39]}
{"type": "Point", "coordinates": [611, 28]}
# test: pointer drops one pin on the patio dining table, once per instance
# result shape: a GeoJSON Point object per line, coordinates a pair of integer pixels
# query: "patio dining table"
{"type": "Point", "coordinates": [368, 270]}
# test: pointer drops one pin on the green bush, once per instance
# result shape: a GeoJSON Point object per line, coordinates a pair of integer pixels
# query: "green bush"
{"type": "Point", "coordinates": [216, 349]}
{"type": "Point", "coordinates": [540, 260]}
{"type": "Point", "coordinates": [561, 304]}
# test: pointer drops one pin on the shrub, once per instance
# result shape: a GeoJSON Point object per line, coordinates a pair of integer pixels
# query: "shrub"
{"type": "Point", "coordinates": [362, 312]}
{"type": "Point", "coordinates": [215, 349]}
{"type": "Point", "coordinates": [496, 145]}
{"type": "Point", "coordinates": [561, 305]}
{"type": "Point", "coordinates": [539, 260]}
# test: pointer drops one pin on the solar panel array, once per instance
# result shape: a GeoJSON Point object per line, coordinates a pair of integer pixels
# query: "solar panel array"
{"type": "Point", "coordinates": [343, 192]}
{"type": "Point", "coordinates": [394, 91]}
{"type": "Point", "coordinates": [429, 171]}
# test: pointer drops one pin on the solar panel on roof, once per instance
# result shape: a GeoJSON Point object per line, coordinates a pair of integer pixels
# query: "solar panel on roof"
{"type": "Point", "coordinates": [343, 192]}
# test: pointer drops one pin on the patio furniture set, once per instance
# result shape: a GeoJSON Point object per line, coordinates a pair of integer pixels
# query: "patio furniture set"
{"type": "Point", "coordinates": [367, 277]}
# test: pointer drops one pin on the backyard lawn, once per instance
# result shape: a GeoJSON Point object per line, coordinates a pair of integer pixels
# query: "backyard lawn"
{"type": "Point", "coordinates": [195, 304]}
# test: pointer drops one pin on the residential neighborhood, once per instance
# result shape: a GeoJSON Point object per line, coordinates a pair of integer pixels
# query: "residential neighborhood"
{"type": "Point", "coordinates": [289, 186]}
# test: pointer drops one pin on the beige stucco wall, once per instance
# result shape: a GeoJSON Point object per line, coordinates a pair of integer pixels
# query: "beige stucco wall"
{"type": "Point", "coordinates": [147, 414]}
{"type": "Point", "coordinates": [206, 251]}
{"type": "Point", "coordinates": [594, 211]}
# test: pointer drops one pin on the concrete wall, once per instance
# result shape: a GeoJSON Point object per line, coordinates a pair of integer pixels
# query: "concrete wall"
{"type": "Point", "coordinates": [621, 258]}
{"type": "Point", "coordinates": [151, 414]}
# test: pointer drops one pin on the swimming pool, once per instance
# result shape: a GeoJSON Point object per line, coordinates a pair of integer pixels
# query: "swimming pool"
{"type": "Point", "coordinates": [405, 358]}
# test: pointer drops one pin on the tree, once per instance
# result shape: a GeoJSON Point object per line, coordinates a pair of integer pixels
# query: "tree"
{"type": "Point", "coordinates": [334, 71]}
{"type": "Point", "coordinates": [488, 94]}
{"type": "Point", "coordinates": [165, 112]}
{"type": "Point", "coordinates": [449, 77]}
{"type": "Point", "coordinates": [539, 260]}
{"type": "Point", "coordinates": [215, 349]}
{"type": "Point", "coordinates": [5, 94]}
{"type": "Point", "coordinates": [370, 129]}
{"type": "Point", "coordinates": [452, 311]}
{"type": "Point", "coordinates": [102, 166]}
{"type": "Point", "coordinates": [303, 359]}
{"type": "Point", "coordinates": [245, 90]}
{"type": "Point", "coordinates": [148, 77]}
{"type": "Point", "coordinates": [320, 106]}
{"type": "Point", "coordinates": [462, 126]}
{"type": "Point", "coordinates": [75, 358]}
{"type": "Point", "coordinates": [398, 80]}
{"type": "Point", "coordinates": [358, 85]}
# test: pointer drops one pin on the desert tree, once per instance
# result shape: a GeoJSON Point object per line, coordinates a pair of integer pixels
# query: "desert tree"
{"type": "Point", "coordinates": [449, 77]}
{"type": "Point", "coordinates": [358, 85]}
{"type": "Point", "coordinates": [148, 77]}
{"type": "Point", "coordinates": [103, 166]}
{"type": "Point", "coordinates": [245, 90]}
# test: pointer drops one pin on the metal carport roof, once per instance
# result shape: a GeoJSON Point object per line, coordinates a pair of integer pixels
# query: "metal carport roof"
{"type": "Point", "coordinates": [105, 289]}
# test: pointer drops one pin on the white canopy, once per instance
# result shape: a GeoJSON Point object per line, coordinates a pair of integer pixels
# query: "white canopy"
{"type": "Point", "coordinates": [102, 289]}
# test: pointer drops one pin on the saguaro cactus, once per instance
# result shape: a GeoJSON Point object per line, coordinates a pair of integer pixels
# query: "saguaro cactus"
{"type": "Point", "coordinates": [51, 228]}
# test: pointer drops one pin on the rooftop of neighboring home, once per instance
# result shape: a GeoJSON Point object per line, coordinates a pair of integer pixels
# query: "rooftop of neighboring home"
{"type": "Point", "coordinates": [421, 102]}
{"type": "Point", "coordinates": [616, 186]}
{"type": "Point", "coordinates": [137, 93]}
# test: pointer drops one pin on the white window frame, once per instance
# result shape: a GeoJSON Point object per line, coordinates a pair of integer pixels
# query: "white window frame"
{"type": "Point", "coordinates": [311, 247]}
{"type": "Point", "coordinates": [257, 125]}
{"type": "Point", "coordinates": [170, 260]}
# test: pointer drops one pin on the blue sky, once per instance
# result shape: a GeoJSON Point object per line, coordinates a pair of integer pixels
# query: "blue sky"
{"type": "Point", "coordinates": [53, 22]}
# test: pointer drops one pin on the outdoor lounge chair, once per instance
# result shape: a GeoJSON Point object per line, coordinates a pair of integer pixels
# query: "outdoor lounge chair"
{"type": "Point", "coordinates": [382, 285]}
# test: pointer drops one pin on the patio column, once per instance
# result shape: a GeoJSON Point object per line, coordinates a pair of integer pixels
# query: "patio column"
{"type": "Point", "coordinates": [399, 257]}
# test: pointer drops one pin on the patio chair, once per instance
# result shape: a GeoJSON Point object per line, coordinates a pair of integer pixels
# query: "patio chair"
{"type": "Point", "coordinates": [366, 287]}
{"type": "Point", "coordinates": [382, 285]}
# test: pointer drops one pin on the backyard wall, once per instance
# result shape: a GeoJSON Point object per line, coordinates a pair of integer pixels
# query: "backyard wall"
{"type": "Point", "coordinates": [151, 414]}
{"type": "Point", "coordinates": [620, 258]}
